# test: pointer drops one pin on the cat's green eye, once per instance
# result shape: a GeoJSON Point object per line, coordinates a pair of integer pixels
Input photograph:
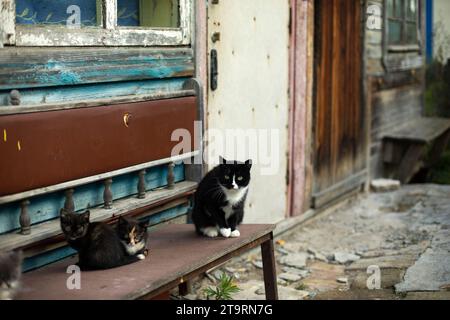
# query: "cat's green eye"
{"type": "Point", "coordinates": [240, 178]}
{"type": "Point", "coordinates": [227, 177]}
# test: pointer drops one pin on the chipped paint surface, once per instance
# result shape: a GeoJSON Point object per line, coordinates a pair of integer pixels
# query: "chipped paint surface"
{"type": "Point", "coordinates": [19, 147]}
{"type": "Point", "coordinates": [93, 91]}
{"type": "Point", "coordinates": [25, 68]}
{"type": "Point", "coordinates": [5, 137]}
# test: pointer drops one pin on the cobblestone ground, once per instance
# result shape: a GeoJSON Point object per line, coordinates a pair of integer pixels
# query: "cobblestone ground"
{"type": "Point", "coordinates": [403, 236]}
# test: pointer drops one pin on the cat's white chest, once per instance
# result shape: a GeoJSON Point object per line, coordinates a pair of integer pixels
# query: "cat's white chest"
{"type": "Point", "coordinates": [233, 198]}
{"type": "Point", "coordinates": [133, 249]}
{"type": "Point", "coordinates": [228, 209]}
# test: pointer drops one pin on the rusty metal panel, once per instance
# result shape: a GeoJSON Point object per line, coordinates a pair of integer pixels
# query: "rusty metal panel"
{"type": "Point", "coordinates": [42, 149]}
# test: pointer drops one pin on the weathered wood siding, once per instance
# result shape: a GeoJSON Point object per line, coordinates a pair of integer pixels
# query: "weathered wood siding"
{"type": "Point", "coordinates": [43, 67]}
{"type": "Point", "coordinates": [395, 81]}
{"type": "Point", "coordinates": [339, 113]}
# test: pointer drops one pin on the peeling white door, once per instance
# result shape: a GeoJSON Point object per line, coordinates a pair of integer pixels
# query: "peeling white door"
{"type": "Point", "coordinates": [252, 93]}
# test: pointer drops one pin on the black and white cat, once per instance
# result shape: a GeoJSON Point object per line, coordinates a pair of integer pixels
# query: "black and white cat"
{"type": "Point", "coordinates": [220, 198]}
{"type": "Point", "coordinates": [98, 244]}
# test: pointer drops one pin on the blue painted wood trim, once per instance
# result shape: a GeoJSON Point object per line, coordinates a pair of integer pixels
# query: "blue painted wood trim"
{"type": "Point", "coordinates": [64, 252]}
{"type": "Point", "coordinates": [46, 207]}
{"type": "Point", "coordinates": [429, 29]}
{"type": "Point", "coordinates": [85, 93]}
{"type": "Point", "coordinates": [37, 67]}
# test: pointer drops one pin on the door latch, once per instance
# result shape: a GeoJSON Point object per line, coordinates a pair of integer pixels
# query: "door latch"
{"type": "Point", "coordinates": [213, 72]}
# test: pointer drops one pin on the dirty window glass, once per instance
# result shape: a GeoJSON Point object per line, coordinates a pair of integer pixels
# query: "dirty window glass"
{"type": "Point", "coordinates": [411, 10]}
{"type": "Point", "coordinates": [402, 21]}
{"type": "Point", "coordinates": [395, 32]}
{"type": "Point", "coordinates": [61, 12]}
{"type": "Point", "coordinates": [148, 13]}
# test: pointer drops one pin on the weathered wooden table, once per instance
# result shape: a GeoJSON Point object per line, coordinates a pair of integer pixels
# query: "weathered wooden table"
{"type": "Point", "coordinates": [177, 254]}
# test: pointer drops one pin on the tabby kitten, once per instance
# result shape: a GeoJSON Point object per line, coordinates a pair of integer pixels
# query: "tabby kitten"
{"type": "Point", "coordinates": [97, 243]}
{"type": "Point", "coordinates": [220, 198]}
{"type": "Point", "coordinates": [10, 274]}
{"type": "Point", "coordinates": [133, 235]}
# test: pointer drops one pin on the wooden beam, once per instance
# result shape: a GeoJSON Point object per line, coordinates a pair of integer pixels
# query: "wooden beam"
{"type": "Point", "coordinates": [300, 91]}
{"type": "Point", "coordinates": [42, 107]}
{"type": "Point", "coordinates": [46, 67]}
{"type": "Point", "coordinates": [8, 22]}
{"type": "Point", "coordinates": [355, 181]}
{"type": "Point", "coordinates": [109, 14]}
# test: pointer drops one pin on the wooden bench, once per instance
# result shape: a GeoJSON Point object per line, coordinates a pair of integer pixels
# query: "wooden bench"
{"type": "Point", "coordinates": [416, 145]}
{"type": "Point", "coordinates": [177, 254]}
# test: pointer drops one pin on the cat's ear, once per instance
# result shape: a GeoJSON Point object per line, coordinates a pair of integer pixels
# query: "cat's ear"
{"type": "Point", "coordinates": [143, 224]}
{"type": "Point", "coordinates": [121, 220]}
{"type": "Point", "coordinates": [86, 215]}
{"type": "Point", "coordinates": [222, 160]}
{"type": "Point", "coordinates": [248, 163]}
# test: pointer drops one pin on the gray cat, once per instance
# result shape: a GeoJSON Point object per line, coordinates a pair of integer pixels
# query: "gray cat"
{"type": "Point", "coordinates": [10, 273]}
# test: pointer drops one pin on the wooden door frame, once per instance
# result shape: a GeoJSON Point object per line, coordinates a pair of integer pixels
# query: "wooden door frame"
{"type": "Point", "coordinates": [300, 115]}
{"type": "Point", "coordinates": [200, 45]}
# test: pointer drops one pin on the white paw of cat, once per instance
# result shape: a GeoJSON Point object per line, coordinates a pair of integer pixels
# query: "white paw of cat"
{"type": "Point", "coordinates": [140, 256]}
{"type": "Point", "coordinates": [210, 232]}
{"type": "Point", "coordinates": [225, 232]}
{"type": "Point", "coordinates": [235, 234]}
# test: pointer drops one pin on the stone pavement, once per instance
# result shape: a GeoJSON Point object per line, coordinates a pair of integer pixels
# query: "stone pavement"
{"type": "Point", "coordinates": [392, 245]}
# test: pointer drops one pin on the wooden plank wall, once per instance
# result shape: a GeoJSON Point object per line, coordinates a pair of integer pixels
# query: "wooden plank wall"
{"type": "Point", "coordinates": [339, 114]}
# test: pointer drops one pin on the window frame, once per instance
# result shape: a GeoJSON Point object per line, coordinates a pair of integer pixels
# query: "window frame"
{"type": "Point", "coordinates": [107, 34]}
{"type": "Point", "coordinates": [403, 46]}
